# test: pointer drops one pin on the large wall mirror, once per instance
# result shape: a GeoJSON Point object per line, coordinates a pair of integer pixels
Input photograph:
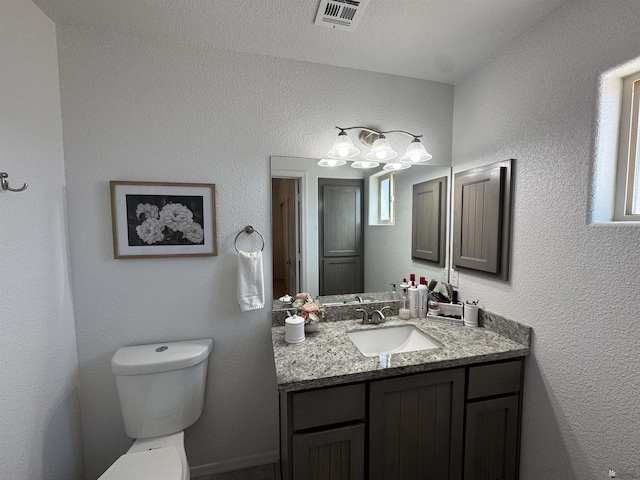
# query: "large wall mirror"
{"type": "Point", "coordinates": [339, 229]}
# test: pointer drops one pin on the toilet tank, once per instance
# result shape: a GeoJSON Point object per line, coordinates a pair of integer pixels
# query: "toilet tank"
{"type": "Point", "coordinates": [161, 386]}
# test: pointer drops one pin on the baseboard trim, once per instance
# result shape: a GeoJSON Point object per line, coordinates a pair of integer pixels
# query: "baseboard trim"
{"type": "Point", "coordinates": [236, 464]}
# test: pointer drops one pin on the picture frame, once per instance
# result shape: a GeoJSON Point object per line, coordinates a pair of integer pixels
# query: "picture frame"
{"type": "Point", "coordinates": [158, 219]}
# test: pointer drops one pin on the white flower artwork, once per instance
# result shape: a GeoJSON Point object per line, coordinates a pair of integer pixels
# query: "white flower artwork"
{"type": "Point", "coordinates": [150, 231]}
{"type": "Point", "coordinates": [153, 219]}
{"type": "Point", "coordinates": [175, 217]}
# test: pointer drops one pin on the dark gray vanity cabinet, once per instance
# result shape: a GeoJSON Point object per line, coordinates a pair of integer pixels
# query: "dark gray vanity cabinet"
{"type": "Point", "coordinates": [322, 433]}
{"type": "Point", "coordinates": [455, 424]}
{"type": "Point", "coordinates": [416, 427]}
{"type": "Point", "coordinates": [493, 414]}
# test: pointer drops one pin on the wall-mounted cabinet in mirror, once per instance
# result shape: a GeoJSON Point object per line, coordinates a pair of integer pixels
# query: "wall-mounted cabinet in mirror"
{"type": "Point", "coordinates": [385, 222]}
{"type": "Point", "coordinates": [429, 221]}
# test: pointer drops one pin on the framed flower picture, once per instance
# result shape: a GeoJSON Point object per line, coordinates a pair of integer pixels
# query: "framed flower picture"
{"type": "Point", "coordinates": [152, 219]}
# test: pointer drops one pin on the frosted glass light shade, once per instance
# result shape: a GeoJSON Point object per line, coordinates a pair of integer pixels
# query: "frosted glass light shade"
{"type": "Point", "coordinates": [343, 147]}
{"type": "Point", "coordinates": [365, 164]}
{"type": "Point", "coordinates": [331, 162]}
{"type": "Point", "coordinates": [381, 151]}
{"type": "Point", "coordinates": [416, 153]}
{"type": "Point", "coordinates": [393, 166]}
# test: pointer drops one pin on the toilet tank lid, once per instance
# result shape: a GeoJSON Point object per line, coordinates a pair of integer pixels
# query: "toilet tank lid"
{"type": "Point", "coordinates": [160, 357]}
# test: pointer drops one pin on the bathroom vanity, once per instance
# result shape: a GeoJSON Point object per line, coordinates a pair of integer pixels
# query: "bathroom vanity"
{"type": "Point", "coordinates": [448, 413]}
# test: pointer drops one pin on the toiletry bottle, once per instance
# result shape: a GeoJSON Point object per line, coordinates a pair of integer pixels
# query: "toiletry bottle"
{"type": "Point", "coordinates": [413, 301]}
{"type": "Point", "coordinates": [423, 298]}
{"type": "Point", "coordinates": [404, 312]}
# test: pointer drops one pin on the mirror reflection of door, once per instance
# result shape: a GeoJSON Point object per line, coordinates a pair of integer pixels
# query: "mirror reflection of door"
{"type": "Point", "coordinates": [286, 236]}
{"type": "Point", "coordinates": [341, 235]}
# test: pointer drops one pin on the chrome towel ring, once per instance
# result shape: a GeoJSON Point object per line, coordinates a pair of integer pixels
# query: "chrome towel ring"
{"type": "Point", "coordinates": [248, 230]}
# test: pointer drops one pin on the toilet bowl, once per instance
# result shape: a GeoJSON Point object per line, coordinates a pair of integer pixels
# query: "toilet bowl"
{"type": "Point", "coordinates": [158, 458]}
{"type": "Point", "coordinates": [161, 391]}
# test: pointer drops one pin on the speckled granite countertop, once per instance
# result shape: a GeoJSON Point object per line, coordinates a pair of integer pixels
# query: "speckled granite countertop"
{"type": "Point", "coordinates": [328, 357]}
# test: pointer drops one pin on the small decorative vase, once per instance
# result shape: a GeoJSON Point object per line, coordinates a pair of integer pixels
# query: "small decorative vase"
{"type": "Point", "coordinates": [311, 327]}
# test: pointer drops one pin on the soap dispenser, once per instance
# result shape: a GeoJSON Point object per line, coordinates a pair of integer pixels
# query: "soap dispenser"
{"type": "Point", "coordinates": [404, 313]}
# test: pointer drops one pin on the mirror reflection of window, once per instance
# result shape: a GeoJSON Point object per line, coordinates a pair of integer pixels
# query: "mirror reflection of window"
{"type": "Point", "coordinates": [386, 205]}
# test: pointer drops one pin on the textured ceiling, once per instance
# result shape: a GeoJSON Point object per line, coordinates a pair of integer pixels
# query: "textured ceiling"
{"type": "Point", "coordinates": [441, 40]}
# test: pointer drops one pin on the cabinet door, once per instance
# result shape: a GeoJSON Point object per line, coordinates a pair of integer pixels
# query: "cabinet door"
{"type": "Point", "coordinates": [416, 427]}
{"type": "Point", "coordinates": [428, 223]}
{"type": "Point", "coordinates": [341, 235]}
{"type": "Point", "coordinates": [482, 219]}
{"type": "Point", "coordinates": [336, 454]}
{"type": "Point", "coordinates": [491, 446]}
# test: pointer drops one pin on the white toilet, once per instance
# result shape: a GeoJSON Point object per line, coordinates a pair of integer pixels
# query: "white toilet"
{"type": "Point", "coordinates": [161, 389]}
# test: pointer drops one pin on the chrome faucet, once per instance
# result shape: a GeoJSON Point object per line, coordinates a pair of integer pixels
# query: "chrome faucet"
{"type": "Point", "coordinates": [365, 315]}
{"type": "Point", "coordinates": [359, 299]}
{"type": "Point", "coordinates": [374, 317]}
{"type": "Point", "coordinates": [379, 314]}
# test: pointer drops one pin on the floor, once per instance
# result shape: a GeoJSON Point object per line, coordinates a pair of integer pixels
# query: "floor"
{"type": "Point", "coordinates": [263, 472]}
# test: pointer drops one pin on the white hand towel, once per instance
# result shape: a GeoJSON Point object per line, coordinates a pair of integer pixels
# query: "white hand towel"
{"type": "Point", "coordinates": [250, 281]}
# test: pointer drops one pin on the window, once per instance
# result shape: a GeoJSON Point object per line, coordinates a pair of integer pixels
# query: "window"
{"type": "Point", "coordinates": [627, 202]}
{"type": "Point", "coordinates": [385, 199]}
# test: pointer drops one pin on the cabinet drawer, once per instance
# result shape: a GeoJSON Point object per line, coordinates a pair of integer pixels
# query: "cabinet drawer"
{"type": "Point", "coordinates": [328, 406]}
{"type": "Point", "coordinates": [497, 379]}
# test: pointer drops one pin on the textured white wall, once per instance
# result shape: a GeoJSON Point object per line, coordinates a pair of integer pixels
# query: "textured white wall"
{"type": "Point", "coordinates": [40, 413]}
{"type": "Point", "coordinates": [136, 110]}
{"type": "Point", "coordinates": [574, 282]}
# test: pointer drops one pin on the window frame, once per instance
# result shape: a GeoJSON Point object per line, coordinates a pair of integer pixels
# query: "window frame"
{"type": "Point", "coordinates": [627, 150]}
{"type": "Point", "coordinates": [391, 177]}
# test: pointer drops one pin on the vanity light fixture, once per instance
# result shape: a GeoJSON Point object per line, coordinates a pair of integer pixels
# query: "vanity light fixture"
{"type": "Point", "coordinates": [394, 166]}
{"type": "Point", "coordinates": [365, 164]}
{"type": "Point", "coordinates": [331, 162]}
{"type": "Point", "coordinates": [381, 150]}
{"type": "Point", "coordinates": [343, 147]}
{"type": "Point", "coordinates": [416, 152]}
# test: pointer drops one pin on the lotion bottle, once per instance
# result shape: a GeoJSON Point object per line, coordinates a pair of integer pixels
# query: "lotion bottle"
{"type": "Point", "coordinates": [413, 301]}
{"type": "Point", "coordinates": [423, 298]}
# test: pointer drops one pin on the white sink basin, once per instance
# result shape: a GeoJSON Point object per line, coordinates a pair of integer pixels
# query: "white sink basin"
{"type": "Point", "coordinates": [406, 338]}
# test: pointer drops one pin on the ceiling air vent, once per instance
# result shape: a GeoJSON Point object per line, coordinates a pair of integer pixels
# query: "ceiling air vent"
{"type": "Point", "coordinates": [341, 14]}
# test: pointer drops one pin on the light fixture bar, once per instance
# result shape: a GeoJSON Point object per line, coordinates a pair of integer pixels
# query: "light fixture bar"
{"type": "Point", "coordinates": [379, 132]}
{"type": "Point", "coordinates": [381, 150]}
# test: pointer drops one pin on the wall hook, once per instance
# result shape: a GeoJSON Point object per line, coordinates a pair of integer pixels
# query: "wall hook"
{"type": "Point", "coordinates": [4, 183]}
